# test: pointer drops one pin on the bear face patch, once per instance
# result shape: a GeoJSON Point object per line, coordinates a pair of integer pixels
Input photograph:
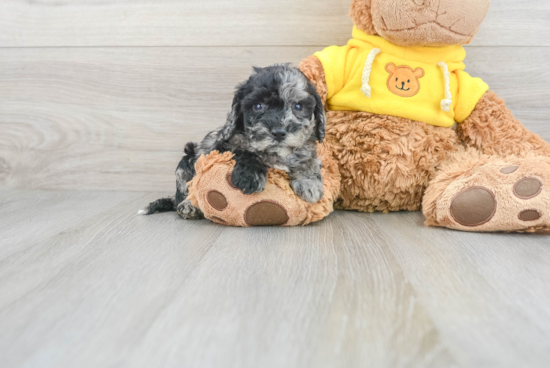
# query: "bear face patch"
{"type": "Point", "coordinates": [403, 80]}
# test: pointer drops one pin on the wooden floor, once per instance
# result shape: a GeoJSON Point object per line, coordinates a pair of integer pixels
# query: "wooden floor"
{"type": "Point", "coordinates": [84, 282]}
{"type": "Point", "coordinates": [98, 97]}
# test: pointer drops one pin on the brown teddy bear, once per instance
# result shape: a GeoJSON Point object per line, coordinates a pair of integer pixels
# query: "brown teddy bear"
{"type": "Point", "coordinates": [392, 96]}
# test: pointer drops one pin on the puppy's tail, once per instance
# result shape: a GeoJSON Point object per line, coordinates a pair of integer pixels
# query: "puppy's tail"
{"type": "Point", "coordinates": [160, 205]}
{"type": "Point", "coordinates": [184, 173]}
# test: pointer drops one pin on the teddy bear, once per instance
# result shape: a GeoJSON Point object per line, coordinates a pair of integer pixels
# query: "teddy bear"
{"type": "Point", "coordinates": [407, 129]}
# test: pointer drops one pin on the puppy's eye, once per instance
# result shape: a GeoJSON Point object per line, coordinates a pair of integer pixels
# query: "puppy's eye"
{"type": "Point", "coordinates": [408, 81]}
{"type": "Point", "coordinates": [298, 107]}
{"type": "Point", "coordinates": [258, 107]}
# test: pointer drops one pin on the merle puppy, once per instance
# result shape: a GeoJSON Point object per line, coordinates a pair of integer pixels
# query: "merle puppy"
{"type": "Point", "coordinates": [275, 120]}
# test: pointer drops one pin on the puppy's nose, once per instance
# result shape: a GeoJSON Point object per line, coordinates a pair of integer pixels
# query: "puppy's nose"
{"type": "Point", "coordinates": [279, 134]}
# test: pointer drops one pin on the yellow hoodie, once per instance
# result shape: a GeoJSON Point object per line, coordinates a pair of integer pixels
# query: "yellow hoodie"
{"type": "Point", "coordinates": [425, 84]}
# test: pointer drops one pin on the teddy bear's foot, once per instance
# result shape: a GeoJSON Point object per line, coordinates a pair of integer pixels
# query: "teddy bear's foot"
{"type": "Point", "coordinates": [224, 203]}
{"type": "Point", "coordinates": [498, 196]}
{"type": "Point", "coordinates": [213, 191]}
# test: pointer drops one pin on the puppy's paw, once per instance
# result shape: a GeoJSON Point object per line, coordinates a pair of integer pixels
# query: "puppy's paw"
{"type": "Point", "coordinates": [248, 181]}
{"type": "Point", "coordinates": [189, 212]}
{"type": "Point", "coordinates": [309, 189]}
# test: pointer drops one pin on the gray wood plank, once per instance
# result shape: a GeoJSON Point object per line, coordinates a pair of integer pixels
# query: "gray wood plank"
{"type": "Point", "coordinates": [28, 217]}
{"type": "Point", "coordinates": [126, 110]}
{"type": "Point", "coordinates": [130, 291]}
{"type": "Point", "coordinates": [487, 293]}
{"type": "Point", "coordinates": [515, 23]}
{"type": "Point", "coordinates": [354, 290]}
{"type": "Point", "coordinates": [174, 23]}
{"type": "Point", "coordinates": [328, 295]}
{"type": "Point", "coordinates": [118, 118]}
{"type": "Point", "coordinates": [228, 23]}
{"type": "Point", "coordinates": [107, 277]}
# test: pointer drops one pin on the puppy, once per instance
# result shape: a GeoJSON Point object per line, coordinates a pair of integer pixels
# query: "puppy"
{"type": "Point", "coordinates": [275, 120]}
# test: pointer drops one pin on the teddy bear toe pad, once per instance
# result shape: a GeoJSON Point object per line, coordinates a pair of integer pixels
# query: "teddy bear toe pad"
{"type": "Point", "coordinates": [528, 188]}
{"type": "Point", "coordinates": [529, 215]}
{"type": "Point", "coordinates": [509, 170]}
{"type": "Point", "coordinates": [217, 200]}
{"type": "Point", "coordinates": [499, 197]}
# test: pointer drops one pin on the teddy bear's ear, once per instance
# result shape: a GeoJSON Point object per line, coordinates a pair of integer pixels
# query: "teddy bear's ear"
{"type": "Point", "coordinates": [360, 13]}
{"type": "Point", "coordinates": [390, 68]}
{"type": "Point", "coordinates": [418, 73]}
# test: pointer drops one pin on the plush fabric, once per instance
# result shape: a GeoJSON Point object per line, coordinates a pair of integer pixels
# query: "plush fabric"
{"type": "Point", "coordinates": [398, 72]}
{"type": "Point", "coordinates": [493, 129]}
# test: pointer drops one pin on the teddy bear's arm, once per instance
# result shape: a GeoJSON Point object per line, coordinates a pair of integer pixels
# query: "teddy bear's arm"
{"type": "Point", "coordinates": [492, 129]}
{"type": "Point", "coordinates": [314, 71]}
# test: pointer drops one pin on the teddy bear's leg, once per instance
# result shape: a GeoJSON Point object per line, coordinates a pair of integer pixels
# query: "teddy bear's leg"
{"type": "Point", "coordinates": [500, 183]}
{"type": "Point", "coordinates": [477, 192]}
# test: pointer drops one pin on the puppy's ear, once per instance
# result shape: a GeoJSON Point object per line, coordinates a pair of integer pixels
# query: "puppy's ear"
{"type": "Point", "coordinates": [235, 118]}
{"type": "Point", "coordinates": [319, 113]}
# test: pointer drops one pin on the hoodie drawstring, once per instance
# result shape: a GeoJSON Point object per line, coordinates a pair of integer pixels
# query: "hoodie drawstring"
{"type": "Point", "coordinates": [366, 88]}
{"type": "Point", "coordinates": [448, 101]}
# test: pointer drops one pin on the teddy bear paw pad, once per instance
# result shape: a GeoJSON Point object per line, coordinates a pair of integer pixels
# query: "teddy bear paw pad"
{"type": "Point", "coordinates": [473, 206]}
{"type": "Point", "coordinates": [528, 188]}
{"type": "Point", "coordinates": [217, 200]}
{"type": "Point", "coordinates": [266, 213]}
{"type": "Point", "coordinates": [509, 170]}
{"type": "Point", "coordinates": [529, 215]}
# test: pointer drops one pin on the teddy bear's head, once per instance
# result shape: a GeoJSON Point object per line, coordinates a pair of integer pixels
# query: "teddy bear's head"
{"type": "Point", "coordinates": [420, 22]}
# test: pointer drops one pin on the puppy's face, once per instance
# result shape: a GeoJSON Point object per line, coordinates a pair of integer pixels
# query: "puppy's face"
{"type": "Point", "coordinates": [278, 110]}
